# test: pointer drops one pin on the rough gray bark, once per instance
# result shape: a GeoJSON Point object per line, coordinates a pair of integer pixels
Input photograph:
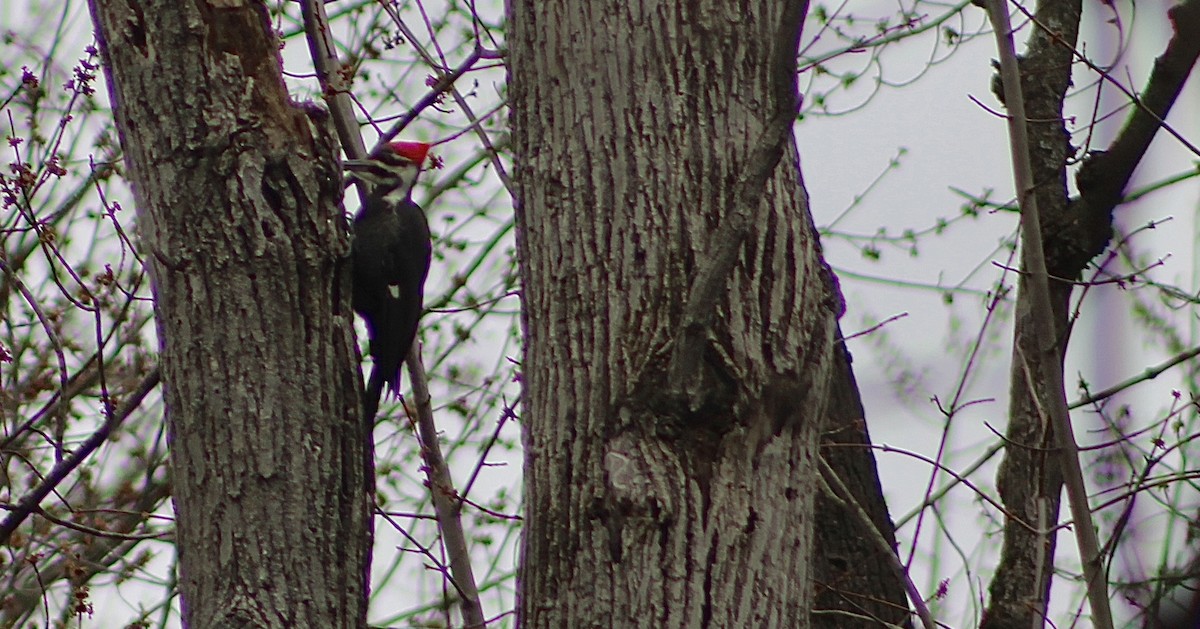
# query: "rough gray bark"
{"type": "Point", "coordinates": [239, 217]}
{"type": "Point", "coordinates": [631, 125]}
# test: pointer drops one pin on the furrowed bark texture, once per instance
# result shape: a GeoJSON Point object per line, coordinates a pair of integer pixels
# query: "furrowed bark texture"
{"type": "Point", "coordinates": [238, 196]}
{"type": "Point", "coordinates": [631, 121]}
{"type": "Point", "coordinates": [1029, 479]}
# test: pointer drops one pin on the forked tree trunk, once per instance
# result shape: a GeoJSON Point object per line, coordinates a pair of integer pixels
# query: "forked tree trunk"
{"type": "Point", "coordinates": [1030, 480]}
{"type": "Point", "coordinates": [632, 122]}
{"type": "Point", "coordinates": [239, 218]}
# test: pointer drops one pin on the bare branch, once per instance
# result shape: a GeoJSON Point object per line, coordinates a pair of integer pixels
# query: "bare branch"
{"type": "Point", "coordinates": [30, 502]}
{"type": "Point", "coordinates": [445, 499]}
{"type": "Point", "coordinates": [1149, 373]}
{"type": "Point", "coordinates": [1105, 174]}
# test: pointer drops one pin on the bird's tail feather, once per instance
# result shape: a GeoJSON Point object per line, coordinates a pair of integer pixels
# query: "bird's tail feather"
{"type": "Point", "coordinates": [403, 321]}
{"type": "Point", "coordinates": [391, 344]}
{"type": "Point", "coordinates": [387, 348]}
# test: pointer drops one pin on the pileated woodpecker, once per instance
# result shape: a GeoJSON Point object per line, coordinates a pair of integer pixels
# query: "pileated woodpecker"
{"type": "Point", "coordinates": [391, 254]}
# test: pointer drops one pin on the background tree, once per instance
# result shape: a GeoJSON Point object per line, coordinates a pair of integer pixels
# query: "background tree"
{"type": "Point", "coordinates": [1072, 232]}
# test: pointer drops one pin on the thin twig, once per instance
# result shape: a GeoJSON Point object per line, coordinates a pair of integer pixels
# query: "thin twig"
{"type": "Point", "coordinates": [1149, 373]}
{"type": "Point", "coordinates": [959, 477]}
{"type": "Point", "coordinates": [954, 481]}
{"type": "Point", "coordinates": [501, 171]}
{"type": "Point", "coordinates": [55, 342]}
{"type": "Point", "coordinates": [895, 317]}
{"type": "Point", "coordinates": [441, 87]}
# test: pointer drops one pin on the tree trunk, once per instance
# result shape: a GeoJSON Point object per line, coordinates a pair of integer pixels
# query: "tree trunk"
{"type": "Point", "coordinates": [238, 195]}
{"type": "Point", "coordinates": [641, 510]}
{"type": "Point", "coordinates": [1030, 479]}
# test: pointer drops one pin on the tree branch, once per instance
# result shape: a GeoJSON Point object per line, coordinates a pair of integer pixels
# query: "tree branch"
{"type": "Point", "coordinates": [442, 86]}
{"type": "Point", "coordinates": [843, 496]}
{"type": "Point", "coordinates": [480, 132]}
{"type": "Point", "coordinates": [1147, 374]}
{"type": "Point", "coordinates": [446, 502]}
{"type": "Point", "coordinates": [335, 86]}
{"type": "Point", "coordinates": [1105, 174]}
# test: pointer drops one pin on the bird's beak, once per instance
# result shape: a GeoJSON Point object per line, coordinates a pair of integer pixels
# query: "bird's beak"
{"type": "Point", "coordinates": [352, 168]}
